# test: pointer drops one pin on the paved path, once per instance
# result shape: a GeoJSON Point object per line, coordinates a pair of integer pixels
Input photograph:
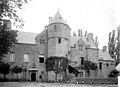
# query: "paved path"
{"type": "Point", "coordinates": [38, 84]}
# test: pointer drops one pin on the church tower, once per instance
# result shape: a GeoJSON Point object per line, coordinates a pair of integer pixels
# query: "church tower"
{"type": "Point", "coordinates": [58, 36]}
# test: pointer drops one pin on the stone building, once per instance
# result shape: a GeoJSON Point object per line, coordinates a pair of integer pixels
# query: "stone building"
{"type": "Point", "coordinates": [32, 50]}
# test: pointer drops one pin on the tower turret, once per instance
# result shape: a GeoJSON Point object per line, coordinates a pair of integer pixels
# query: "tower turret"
{"type": "Point", "coordinates": [58, 37]}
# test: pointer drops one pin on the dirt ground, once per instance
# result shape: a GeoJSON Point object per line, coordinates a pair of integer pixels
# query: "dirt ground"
{"type": "Point", "coordinates": [38, 84]}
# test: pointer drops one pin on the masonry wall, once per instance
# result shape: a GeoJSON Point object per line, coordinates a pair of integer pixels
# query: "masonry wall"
{"type": "Point", "coordinates": [92, 54]}
{"type": "Point", "coordinates": [58, 31]}
{"type": "Point", "coordinates": [107, 67]}
{"type": "Point", "coordinates": [75, 56]}
{"type": "Point", "coordinates": [20, 49]}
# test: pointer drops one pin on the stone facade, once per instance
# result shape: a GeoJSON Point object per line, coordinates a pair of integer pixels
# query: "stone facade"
{"type": "Point", "coordinates": [56, 40]}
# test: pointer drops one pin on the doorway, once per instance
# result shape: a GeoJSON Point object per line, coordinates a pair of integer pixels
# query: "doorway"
{"type": "Point", "coordinates": [33, 76]}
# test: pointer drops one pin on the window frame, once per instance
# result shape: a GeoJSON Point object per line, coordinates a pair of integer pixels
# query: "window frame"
{"type": "Point", "coordinates": [82, 60]}
{"type": "Point", "coordinates": [12, 56]}
{"type": "Point", "coordinates": [41, 57]}
{"type": "Point", "coordinates": [100, 65]}
{"type": "Point", "coordinates": [55, 28]}
{"type": "Point", "coordinates": [26, 57]}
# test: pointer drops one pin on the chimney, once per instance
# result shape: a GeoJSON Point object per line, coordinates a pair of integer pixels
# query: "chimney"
{"type": "Point", "coordinates": [74, 33]}
{"type": "Point", "coordinates": [104, 48]}
{"type": "Point", "coordinates": [90, 36]}
{"type": "Point", "coordinates": [85, 35]}
{"type": "Point", "coordinates": [96, 41]}
{"type": "Point", "coordinates": [50, 19]}
{"type": "Point", "coordinates": [80, 33]}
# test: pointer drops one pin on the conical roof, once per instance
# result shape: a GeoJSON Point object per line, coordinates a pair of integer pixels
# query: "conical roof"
{"type": "Point", "coordinates": [58, 18]}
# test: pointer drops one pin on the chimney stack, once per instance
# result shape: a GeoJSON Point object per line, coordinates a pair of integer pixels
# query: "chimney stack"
{"type": "Point", "coordinates": [50, 19]}
{"type": "Point", "coordinates": [90, 36]}
{"type": "Point", "coordinates": [104, 48]}
{"type": "Point", "coordinates": [80, 33]}
{"type": "Point", "coordinates": [74, 33]}
{"type": "Point", "coordinates": [85, 35]}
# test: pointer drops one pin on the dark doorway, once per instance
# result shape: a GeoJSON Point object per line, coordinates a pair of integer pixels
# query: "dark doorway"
{"type": "Point", "coordinates": [33, 76]}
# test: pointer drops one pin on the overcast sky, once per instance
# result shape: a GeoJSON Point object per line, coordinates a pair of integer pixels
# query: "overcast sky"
{"type": "Point", "coordinates": [95, 16]}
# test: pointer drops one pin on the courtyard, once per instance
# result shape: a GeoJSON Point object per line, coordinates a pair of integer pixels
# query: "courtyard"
{"type": "Point", "coordinates": [38, 84]}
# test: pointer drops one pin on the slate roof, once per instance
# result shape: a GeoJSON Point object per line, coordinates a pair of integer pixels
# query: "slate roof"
{"type": "Point", "coordinates": [74, 40]}
{"type": "Point", "coordinates": [26, 37]}
{"type": "Point", "coordinates": [91, 43]}
{"type": "Point", "coordinates": [58, 18]}
{"type": "Point", "coordinates": [104, 55]}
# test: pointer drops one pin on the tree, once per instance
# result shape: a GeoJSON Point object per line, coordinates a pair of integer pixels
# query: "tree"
{"type": "Point", "coordinates": [8, 13]}
{"type": "Point", "coordinates": [112, 44]}
{"type": "Point", "coordinates": [118, 47]}
{"type": "Point", "coordinates": [4, 69]}
{"type": "Point", "coordinates": [7, 39]}
{"type": "Point", "coordinates": [113, 73]}
{"type": "Point", "coordinates": [16, 70]}
{"type": "Point", "coordinates": [57, 64]}
{"type": "Point", "coordinates": [89, 65]}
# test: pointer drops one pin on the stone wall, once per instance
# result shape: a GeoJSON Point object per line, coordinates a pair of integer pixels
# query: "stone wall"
{"type": "Point", "coordinates": [92, 54]}
{"type": "Point", "coordinates": [58, 31]}
{"type": "Point", "coordinates": [107, 67]}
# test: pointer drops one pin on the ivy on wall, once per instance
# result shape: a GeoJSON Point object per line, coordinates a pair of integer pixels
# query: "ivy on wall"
{"type": "Point", "coordinates": [57, 64]}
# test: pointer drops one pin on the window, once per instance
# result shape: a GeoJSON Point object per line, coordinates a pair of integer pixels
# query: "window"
{"type": "Point", "coordinates": [59, 40]}
{"type": "Point", "coordinates": [26, 57]}
{"type": "Point", "coordinates": [80, 47]}
{"type": "Point", "coordinates": [12, 57]}
{"type": "Point", "coordinates": [82, 60]}
{"type": "Point", "coordinates": [81, 74]}
{"type": "Point", "coordinates": [107, 64]}
{"type": "Point", "coordinates": [55, 28]}
{"type": "Point", "coordinates": [100, 65]}
{"type": "Point", "coordinates": [41, 59]}
{"type": "Point", "coordinates": [42, 41]}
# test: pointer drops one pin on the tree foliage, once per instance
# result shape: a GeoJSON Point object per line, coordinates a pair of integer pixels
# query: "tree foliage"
{"type": "Point", "coordinates": [112, 44]}
{"type": "Point", "coordinates": [113, 73]}
{"type": "Point", "coordinates": [57, 64]}
{"type": "Point", "coordinates": [17, 70]}
{"type": "Point", "coordinates": [7, 39]}
{"type": "Point", "coordinates": [4, 69]}
{"type": "Point", "coordinates": [89, 65]}
{"type": "Point", "coordinates": [8, 13]}
{"type": "Point", "coordinates": [9, 8]}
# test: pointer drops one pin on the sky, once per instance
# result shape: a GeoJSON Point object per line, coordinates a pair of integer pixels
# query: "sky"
{"type": "Point", "coordinates": [95, 16]}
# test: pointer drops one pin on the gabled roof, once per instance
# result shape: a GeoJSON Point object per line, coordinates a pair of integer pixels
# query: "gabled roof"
{"type": "Point", "coordinates": [90, 43]}
{"type": "Point", "coordinates": [26, 37]}
{"type": "Point", "coordinates": [75, 39]}
{"type": "Point", "coordinates": [58, 18]}
{"type": "Point", "coordinates": [104, 55]}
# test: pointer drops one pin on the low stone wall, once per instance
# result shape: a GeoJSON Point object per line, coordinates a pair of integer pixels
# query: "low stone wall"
{"type": "Point", "coordinates": [93, 80]}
